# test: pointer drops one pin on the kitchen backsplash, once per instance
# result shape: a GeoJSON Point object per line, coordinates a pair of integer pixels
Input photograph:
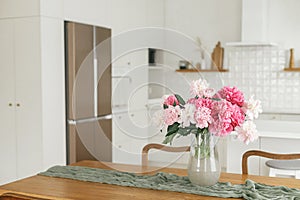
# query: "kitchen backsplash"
{"type": "Point", "coordinates": [259, 70]}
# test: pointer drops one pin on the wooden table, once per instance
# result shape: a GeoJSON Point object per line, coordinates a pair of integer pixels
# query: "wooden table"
{"type": "Point", "coordinates": [59, 188]}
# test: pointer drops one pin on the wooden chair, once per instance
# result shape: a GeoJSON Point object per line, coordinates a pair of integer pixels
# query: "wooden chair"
{"type": "Point", "coordinates": [161, 147]}
{"type": "Point", "coordinates": [285, 164]}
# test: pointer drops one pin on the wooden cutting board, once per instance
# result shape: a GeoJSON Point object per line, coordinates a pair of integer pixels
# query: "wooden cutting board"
{"type": "Point", "coordinates": [217, 57]}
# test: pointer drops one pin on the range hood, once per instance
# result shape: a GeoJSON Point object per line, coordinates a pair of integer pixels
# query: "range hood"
{"type": "Point", "coordinates": [254, 24]}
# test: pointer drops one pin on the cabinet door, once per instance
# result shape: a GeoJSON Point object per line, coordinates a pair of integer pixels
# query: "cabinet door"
{"type": "Point", "coordinates": [235, 151]}
{"type": "Point", "coordinates": [129, 136]}
{"type": "Point", "coordinates": [7, 105]}
{"type": "Point", "coordinates": [28, 95]}
{"type": "Point", "coordinates": [138, 91]}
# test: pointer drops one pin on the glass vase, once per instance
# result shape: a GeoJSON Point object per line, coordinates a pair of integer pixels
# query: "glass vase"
{"type": "Point", "coordinates": [204, 167]}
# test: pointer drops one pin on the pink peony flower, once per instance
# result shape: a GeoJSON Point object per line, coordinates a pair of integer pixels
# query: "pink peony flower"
{"type": "Point", "coordinates": [225, 117]}
{"type": "Point", "coordinates": [202, 117]}
{"type": "Point", "coordinates": [219, 113]}
{"type": "Point", "coordinates": [220, 128]}
{"type": "Point", "coordinates": [232, 95]}
{"type": "Point", "coordinates": [247, 132]}
{"type": "Point", "coordinates": [237, 116]}
{"type": "Point", "coordinates": [192, 101]}
{"type": "Point", "coordinates": [171, 115]}
{"type": "Point", "coordinates": [170, 100]}
{"type": "Point", "coordinates": [202, 102]}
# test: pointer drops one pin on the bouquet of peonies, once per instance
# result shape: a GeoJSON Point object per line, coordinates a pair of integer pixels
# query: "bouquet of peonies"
{"type": "Point", "coordinates": [217, 113]}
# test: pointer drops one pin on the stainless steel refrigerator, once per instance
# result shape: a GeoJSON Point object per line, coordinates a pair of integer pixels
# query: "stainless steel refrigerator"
{"type": "Point", "coordinates": [88, 92]}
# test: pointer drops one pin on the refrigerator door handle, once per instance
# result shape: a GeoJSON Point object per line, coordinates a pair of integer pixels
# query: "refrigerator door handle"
{"type": "Point", "coordinates": [79, 121]}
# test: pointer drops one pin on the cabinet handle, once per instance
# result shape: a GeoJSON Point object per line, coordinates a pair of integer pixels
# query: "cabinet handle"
{"type": "Point", "coordinates": [10, 104]}
{"type": "Point", "coordinates": [18, 105]}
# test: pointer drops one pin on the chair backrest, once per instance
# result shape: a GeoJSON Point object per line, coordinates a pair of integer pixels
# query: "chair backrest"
{"type": "Point", "coordinates": [161, 147]}
{"type": "Point", "coordinates": [265, 155]}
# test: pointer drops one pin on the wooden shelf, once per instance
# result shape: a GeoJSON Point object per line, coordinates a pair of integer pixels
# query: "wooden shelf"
{"type": "Point", "coordinates": [201, 70]}
{"type": "Point", "coordinates": [296, 69]}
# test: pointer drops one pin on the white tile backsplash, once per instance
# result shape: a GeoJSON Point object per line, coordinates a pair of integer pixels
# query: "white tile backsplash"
{"type": "Point", "coordinates": [258, 70]}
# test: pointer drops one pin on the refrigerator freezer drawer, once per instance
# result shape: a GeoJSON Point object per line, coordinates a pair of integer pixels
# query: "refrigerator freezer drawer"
{"type": "Point", "coordinates": [90, 141]}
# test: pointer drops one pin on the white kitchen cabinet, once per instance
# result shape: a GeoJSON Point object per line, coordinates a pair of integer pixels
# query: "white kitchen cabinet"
{"type": "Point", "coordinates": [130, 83]}
{"type": "Point", "coordinates": [129, 136]}
{"type": "Point", "coordinates": [28, 107]}
{"type": "Point", "coordinates": [8, 171]}
{"type": "Point", "coordinates": [138, 93]}
{"type": "Point", "coordinates": [235, 151]}
{"type": "Point", "coordinates": [21, 125]}
{"type": "Point", "coordinates": [157, 85]}
{"type": "Point", "coordinates": [28, 95]}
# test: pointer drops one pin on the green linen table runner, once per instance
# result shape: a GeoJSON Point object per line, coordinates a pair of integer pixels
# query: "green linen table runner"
{"type": "Point", "coordinates": [250, 190]}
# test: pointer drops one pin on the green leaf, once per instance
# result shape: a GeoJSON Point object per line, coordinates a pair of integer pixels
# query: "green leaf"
{"type": "Point", "coordinates": [165, 106]}
{"type": "Point", "coordinates": [215, 99]}
{"type": "Point", "coordinates": [184, 131]}
{"type": "Point", "coordinates": [172, 128]}
{"type": "Point", "coordinates": [169, 139]}
{"type": "Point", "coordinates": [180, 99]}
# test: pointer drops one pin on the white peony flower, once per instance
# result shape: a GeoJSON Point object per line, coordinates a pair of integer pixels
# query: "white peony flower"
{"type": "Point", "coordinates": [158, 119]}
{"type": "Point", "coordinates": [247, 132]}
{"type": "Point", "coordinates": [199, 87]}
{"type": "Point", "coordinates": [252, 108]}
{"type": "Point", "coordinates": [187, 115]}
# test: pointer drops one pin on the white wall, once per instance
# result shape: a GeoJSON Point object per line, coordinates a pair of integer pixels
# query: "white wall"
{"type": "Point", "coordinates": [273, 21]}
{"type": "Point", "coordinates": [211, 20]}
{"type": "Point", "coordinates": [283, 26]}
{"type": "Point", "coordinates": [19, 8]}
{"type": "Point", "coordinates": [53, 8]}
{"type": "Point", "coordinates": [120, 15]}
{"type": "Point", "coordinates": [95, 12]}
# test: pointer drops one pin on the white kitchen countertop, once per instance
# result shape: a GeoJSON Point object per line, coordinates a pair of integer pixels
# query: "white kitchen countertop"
{"type": "Point", "coordinates": [273, 128]}
{"type": "Point", "coordinates": [278, 129]}
{"type": "Point", "coordinates": [285, 135]}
